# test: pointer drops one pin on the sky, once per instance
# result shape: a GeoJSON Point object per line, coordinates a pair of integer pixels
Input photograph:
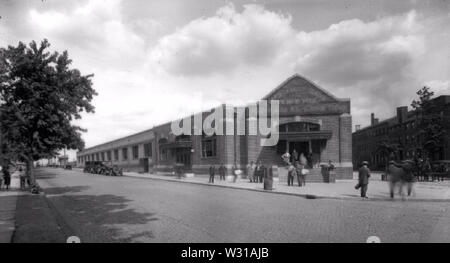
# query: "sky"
{"type": "Point", "coordinates": [155, 61]}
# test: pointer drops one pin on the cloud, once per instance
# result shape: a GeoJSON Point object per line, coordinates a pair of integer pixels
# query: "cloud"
{"type": "Point", "coordinates": [381, 60]}
{"type": "Point", "coordinates": [148, 72]}
{"type": "Point", "coordinates": [223, 42]}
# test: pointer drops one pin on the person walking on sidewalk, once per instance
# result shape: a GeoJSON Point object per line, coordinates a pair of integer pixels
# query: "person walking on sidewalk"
{"type": "Point", "coordinates": [299, 170]}
{"type": "Point", "coordinates": [291, 174]}
{"type": "Point", "coordinates": [222, 172]}
{"type": "Point", "coordinates": [363, 178]}
{"type": "Point", "coordinates": [6, 177]}
{"type": "Point", "coordinates": [212, 171]}
{"type": "Point", "coordinates": [251, 172]}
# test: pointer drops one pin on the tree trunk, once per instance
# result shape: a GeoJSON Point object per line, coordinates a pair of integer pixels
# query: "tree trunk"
{"type": "Point", "coordinates": [30, 171]}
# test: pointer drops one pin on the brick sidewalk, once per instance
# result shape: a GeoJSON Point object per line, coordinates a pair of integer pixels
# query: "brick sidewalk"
{"type": "Point", "coordinates": [342, 189]}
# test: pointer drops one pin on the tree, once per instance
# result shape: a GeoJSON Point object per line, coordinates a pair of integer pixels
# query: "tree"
{"type": "Point", "coordinates": [431, 122]}
{"type": "Point", "coordinates": [40, 97]}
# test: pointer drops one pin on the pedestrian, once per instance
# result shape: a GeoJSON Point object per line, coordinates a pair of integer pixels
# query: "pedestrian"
{"type": "Point", "coordinates": [22, 177]}
{"type": "Point", "coordinates": [259, 173]}
{"type": "Point", "coordinates": [212, 171]}
{"type": "Point", "coordinates": [236, 172]}
{"type": "Point", "coordinates": [298, 170]}
{"type": "Point", "coordinates": [291, 174]}
{"type": "Point", "coordinates": [222, 172]}
{"type": "Point", "coordinates": [251, 171]}
{"type": "Point", "coordinates": [294, 156]}
{"type": "Point", "coordinates": [363, 179]}
{"type": "Point", "coordinates": [302, 159]}
{"type": "Point", "coordinates": [286, 157]}
{"type": "Point", "coordinates": [1, 177]}
{"type": "Point", "coordinates": [6, 177]}
{"type": "Point", "coordinates": [263, 173]}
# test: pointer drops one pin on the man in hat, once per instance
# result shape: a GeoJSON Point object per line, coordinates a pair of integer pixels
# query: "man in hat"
{"type": "Point", "coordinates": [363, 178]}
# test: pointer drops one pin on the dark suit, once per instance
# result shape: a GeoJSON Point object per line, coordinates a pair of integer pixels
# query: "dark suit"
{"type": "Point", "coordinates": [363, 178]}
{"type": "Point", "coordinates": [212, 171]}
{"type": "Point", "coordinates": [222, 171]}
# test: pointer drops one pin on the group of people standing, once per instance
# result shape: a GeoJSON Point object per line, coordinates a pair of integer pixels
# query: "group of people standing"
{"type": "Point", "coordinates": [296, 167]}
{"type": "Point", "coordinates": [222, 173]}
{"type": "Point", "coordinates": [298, 170]}
{"type": "Point", "coordinates": [256, 172]}
{"type": "Point", "coordinates": [5, 177]}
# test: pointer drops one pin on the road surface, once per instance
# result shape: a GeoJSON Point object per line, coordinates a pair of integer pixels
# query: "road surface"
{"type": "Point", "coordinates": [122, 209]}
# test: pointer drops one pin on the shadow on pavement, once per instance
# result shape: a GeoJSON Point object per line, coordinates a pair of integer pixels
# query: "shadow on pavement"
{"type": "Point", "coordinates": [99, 218]}
{"type": "Point", "coordinates": [65, 190]}
{"type": "Point", "coordinates": [93, 218]}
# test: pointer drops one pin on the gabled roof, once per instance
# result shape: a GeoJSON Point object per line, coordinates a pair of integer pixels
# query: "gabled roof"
{"type": "Point", "coordinates": [298, 76]}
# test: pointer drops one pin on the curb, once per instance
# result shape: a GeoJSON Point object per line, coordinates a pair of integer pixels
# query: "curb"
{"type": "Point", "coordinates": [307, 196]}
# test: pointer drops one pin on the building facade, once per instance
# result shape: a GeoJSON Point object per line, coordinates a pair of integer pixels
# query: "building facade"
{"type": "Point", "coordinates": [311, 121]}
{"type": "Point", "coordinates": [401, 130]}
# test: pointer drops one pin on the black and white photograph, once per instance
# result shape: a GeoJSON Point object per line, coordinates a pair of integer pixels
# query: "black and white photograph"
{"type": "Point", "coordinates": [224, 122]}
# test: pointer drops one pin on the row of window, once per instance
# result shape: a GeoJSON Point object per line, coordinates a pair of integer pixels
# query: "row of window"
{"type": "Point", "coordinates": [113, 155]}
{"type": "Point", "coordinates": [209, 149]}
{"type": "Point", "coordinates": [388, 130]}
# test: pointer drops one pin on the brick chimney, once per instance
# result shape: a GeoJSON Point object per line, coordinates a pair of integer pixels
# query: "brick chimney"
{"type": "Point", "coordinates": [402, 114]}
{"type": "Point", "coordinates": [372, 119]}
{"type": "Point", "coordinates": [357, 127]}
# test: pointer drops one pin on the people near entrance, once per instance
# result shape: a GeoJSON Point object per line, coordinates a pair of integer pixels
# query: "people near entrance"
{"type": "Point", "coordinates": [6, 177]}
{"type": "Point", "coordinates": [363, 179]}
{"type": "Point", "coordinates": [212, 171]}
{"type": "Point", "coordinates": [251, 171]}
{"type": "Point", "coordinates": [299, 172]}
{"type": "Point", "coordinates": [292, 173]}
{"type": "Point", "coordinates": [302, 159]}
{"type": "Point", "coordinates": [286, 157]}
{"type": "Point", "coordinates": [222, 172]}
{"type": "Point", "coordinates": [294, 156]}
{"type": "Point", "coordinates": [331, 166]}
{"type": "Point", "coordinates": [309, 160]}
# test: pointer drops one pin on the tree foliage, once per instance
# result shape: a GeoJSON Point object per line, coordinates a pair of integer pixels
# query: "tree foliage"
{"type": "Point", "coordinates": [40, 97]}
{"type": "Point", "coordinates": [431, 121]}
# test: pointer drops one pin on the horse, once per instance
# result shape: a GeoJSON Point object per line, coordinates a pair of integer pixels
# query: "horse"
{"type": "Point", "coordinates": [400, 174]}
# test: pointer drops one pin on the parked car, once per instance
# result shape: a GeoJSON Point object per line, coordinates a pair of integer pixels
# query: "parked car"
{"type": "Point", "coordinates": [104, 168]}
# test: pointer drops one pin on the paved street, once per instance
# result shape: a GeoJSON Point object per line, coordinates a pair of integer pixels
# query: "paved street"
{"type": "Point", "coordinates": [124, 209]}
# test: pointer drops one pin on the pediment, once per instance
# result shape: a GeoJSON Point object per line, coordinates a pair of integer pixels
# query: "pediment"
{"type": "Point", "coordinates": [300, 90]}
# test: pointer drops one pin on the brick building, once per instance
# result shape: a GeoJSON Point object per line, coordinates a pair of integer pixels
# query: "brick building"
{"type": "Point", "coordinates": [311, 120]}
{"type": "Point", "coordinates": [400, 130]}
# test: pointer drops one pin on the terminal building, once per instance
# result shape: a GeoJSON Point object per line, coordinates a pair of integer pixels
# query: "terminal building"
{"type": "Point", "coordinates": [311, 120]}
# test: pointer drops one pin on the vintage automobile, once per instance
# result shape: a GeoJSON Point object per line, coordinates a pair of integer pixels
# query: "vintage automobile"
{"type": "Point", "coordinates": [104, 168]}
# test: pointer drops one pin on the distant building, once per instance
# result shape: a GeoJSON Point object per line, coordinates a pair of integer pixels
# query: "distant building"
{"type": "Point", "coordinates": [312, 121]}
{"type": "Point", "coordinates": [401, 130]}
